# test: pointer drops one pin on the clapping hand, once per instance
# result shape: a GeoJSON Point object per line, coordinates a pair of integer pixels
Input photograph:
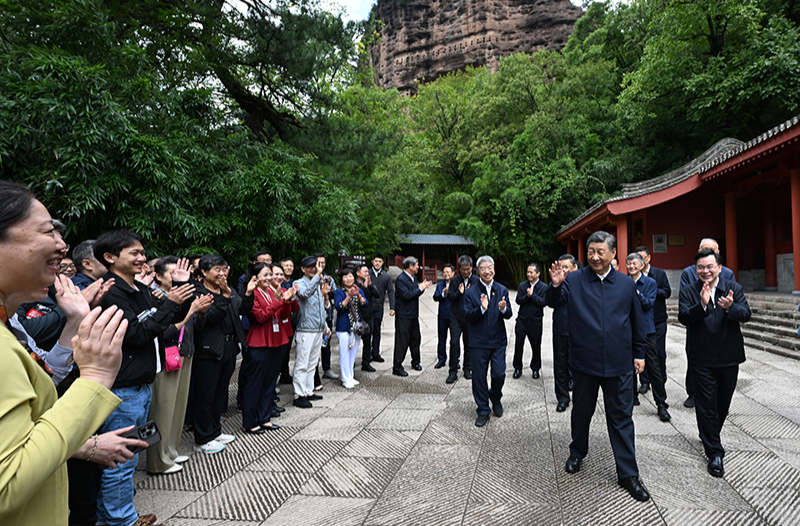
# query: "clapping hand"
{"type": "Point", "coordinates": [70, 299]}
{"type": "Point", "coordinates": [95, 292]}
{"type": "Point", "coordinates": [530, 290]}
{"type": "Point", "coordinates": [461, 287]}
{"type": "Point", "coordinates": [484, 301]}
{"type": "Point", "coordinates": [201, 304]}
{"type": "Point", "coordinates": [181, 294]}
{"type": "Point", "coordinates": [145, 278]}
{"type": "Point", "coordinates": [705, 294]}
{"type": "Point", "coordinates": [98, 345]}
{"type": "Point", "coordinates": [289, 294]}
{"type": "Point", "coordinates": [425, 284]}
{"type": "Point", "coordinates": [726, 301]}
{"type": "Point", "coordinates": [251, 286]}
{"type": "Point", "coordinates": [502, 304]}
{"type": "Point", "coordinates": [222, 281]}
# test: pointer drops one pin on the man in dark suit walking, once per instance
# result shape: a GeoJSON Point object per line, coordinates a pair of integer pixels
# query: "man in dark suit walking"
{"type": "Point", "coordinates": [712, 310]}
{"type": "Point", "coordinates": [530, 298]}
{"type": "Point", "coordinates": [459, 326]}
{"type": "Point", "coordinates": [440, 296]}
{"type": "Point", "coordinates": [607, 346]}
{"type": "Point", "coordinates": [689, 276]}
{"type": "Point", "coordinates": [486, 307]}
{"type": "Point", "coordinates": [406, 324]}
{"type": "Point", "coordinates": [663, 291]}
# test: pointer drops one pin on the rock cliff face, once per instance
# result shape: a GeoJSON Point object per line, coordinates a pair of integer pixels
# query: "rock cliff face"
{"type": "Point", "coordinates": [424, 39]}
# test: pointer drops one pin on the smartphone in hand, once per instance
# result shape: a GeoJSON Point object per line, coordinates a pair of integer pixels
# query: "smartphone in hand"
{"type": "Point", "coordinates": [147, 432]}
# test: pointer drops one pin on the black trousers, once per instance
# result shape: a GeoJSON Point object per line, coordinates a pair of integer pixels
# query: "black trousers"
{"type": "Point", "coordinates": [533, 330]}
{"type": "Point", "coordinates": [561, 367]}
{"type": "Point", "coordinates": [618, 400]}
{"type": "Point", "coordinates": [244, 370]}
{"type": "Point", "coordinates": [481, 358]}
{"type": "Point", "coordinates": [366, 343]}
{"type": "Point", "coordinates": [443, 324]}
{"type": "Point", "coordinates": [713, 392]}
{"type": "Point", "coordinates": [377, 321]}
{"type": "Point", "coordinates": [259, 395]}
{"type": "Point", "coordinates": [459, 328]}
{"type": "Point", "coordinates": [661, 347]}
{"type": "Point", "coordinates": [211, 380]}
{"type": "Point", "coordinates": [84, 486]}
{"type": "Point", "coordinates": [406, 335]}
{"type": "Point", "coordinates": [656, 379]}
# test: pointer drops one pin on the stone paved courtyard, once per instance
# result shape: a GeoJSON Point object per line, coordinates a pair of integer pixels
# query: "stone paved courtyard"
{"type": "Point", "coordinates": [405, 451]}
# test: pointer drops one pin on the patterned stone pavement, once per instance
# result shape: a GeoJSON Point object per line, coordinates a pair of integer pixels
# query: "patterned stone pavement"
{"type": "Point", "coordinates": [405, 451]}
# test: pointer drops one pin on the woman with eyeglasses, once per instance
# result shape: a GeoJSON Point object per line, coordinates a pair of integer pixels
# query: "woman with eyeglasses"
{"type": "Point", "coordinates": [38, 431]}
{"type": "Point", "coordinates": [67, 268]}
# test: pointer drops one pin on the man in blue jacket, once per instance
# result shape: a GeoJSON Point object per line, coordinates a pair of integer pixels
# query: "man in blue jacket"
{"type": "Point", "coordinates": [659, 316]}
{"type": "Point", "coordinates": [406, 324]}
{"type": "Point", "coordinates": [646, 289]}
{"type": "Point", "coordinates": [486, 307]}
{"type": "Point", "coordinates": [712, 309]}
{"type": "Point", "coordinates": [607, 346]}
{"type": "Point", "coordinates": [688, 277]}
{"type": "Point", "coordinates": [443, 318]}
{"type": "Point", "coordinates": [530, 298]}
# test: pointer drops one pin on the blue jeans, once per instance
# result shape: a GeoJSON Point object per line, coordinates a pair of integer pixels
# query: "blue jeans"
{"type": "Point", "coordinates": [115, 501]}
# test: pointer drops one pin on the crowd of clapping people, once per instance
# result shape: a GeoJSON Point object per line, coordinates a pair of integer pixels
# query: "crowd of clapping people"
{"type": "Point", "coordinates": [101, 343]}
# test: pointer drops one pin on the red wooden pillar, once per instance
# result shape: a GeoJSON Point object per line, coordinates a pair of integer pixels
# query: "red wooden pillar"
{"type": "Point", "coordinates": [770, 262]}
{"type": "Point", "coordinates": [731, 237]}
{"type": "Point", "coordinates": [622, 239]}
{"type": "Point", "coordinates": [582, 248]}
{"type": "Point", "coordinates": [423, 262]}
{"type": "Point", "coordinates": [795, 173]}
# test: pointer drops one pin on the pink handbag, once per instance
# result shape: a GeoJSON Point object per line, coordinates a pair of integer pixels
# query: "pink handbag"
{"type": "Point", "coordinates": [173, 355]}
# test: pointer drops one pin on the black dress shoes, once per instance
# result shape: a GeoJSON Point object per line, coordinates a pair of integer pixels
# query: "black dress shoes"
{"type": "Point", "coordinates": [270, 427]}
{"type": "Point", "coordinates": [481, 420]}
{"type": "Point", "coordinates": [517, 373]}
{"type": "Point", "coordinates": [573, 464]}
{"type": "Point", "coordinates": [417, 367]}
{"type": "Point", "coordinates": [663, 414]}
{"type": "Point", "coordinates": [561, 407]}
{"type": "Point", "coordinates": [715, 467]}
{"type": "Point", "coordinates": [399, 372]}
{"type": "Point", "coordinates": [439, 365]}
{"type": "Point", "coordinates": [302, 402]}
{"type": "Point", "coordinates": [377, 358]}
{"type": "Point", "coordinates": [259, 431]}
{"type": "Point", "coordinates": [280, 409]}
{"type": "Point", "coordinates": [367, 367]}
{"type": "Point", "coordinates": [644, 388]}
{"type": "Point", "coordinates": [689, 402]}
{"type": "Point", "coordinates": [275, 414]}
{"type": "Point", "coordinates": [497, 409]}
{"type": "Point", "coordinates": [635, 488]}
{"type": "Point", "coordinates": [452, 377]}
{"type": "Point", "coordinates": [315, 397]}
{"type": "Point", "coordinates": [468, 374]}
{"type": "Point", "coordinates": [536, 373]}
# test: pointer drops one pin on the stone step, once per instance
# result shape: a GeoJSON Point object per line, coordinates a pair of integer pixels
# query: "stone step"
{"type": "Point", "coordinates": [776, 321]}
{"type": "Point", "coordinates": [753, 327]}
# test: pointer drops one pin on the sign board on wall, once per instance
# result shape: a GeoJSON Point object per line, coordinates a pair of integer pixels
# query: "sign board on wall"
{"type": "Point", "coordinates": [659, 243]}
{"type": "Point", "coordinates": [353, 262]}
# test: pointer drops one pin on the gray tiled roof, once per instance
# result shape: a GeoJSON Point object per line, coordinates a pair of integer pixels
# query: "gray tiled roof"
{"type": "Point", "coordinates": [720, 152]}
{"type": "Point", "coordinates": [434, 239]}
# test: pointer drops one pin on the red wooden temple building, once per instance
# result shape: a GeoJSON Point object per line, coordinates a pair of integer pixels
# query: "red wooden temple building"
{"type": "Point", "coordinates": [744, 195]}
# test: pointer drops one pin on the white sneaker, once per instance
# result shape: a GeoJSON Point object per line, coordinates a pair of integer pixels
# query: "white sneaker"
{"type": "Point", "coordinates": [318, 388]}
{"type": "Point", "coordinates": [347, 385]}
{"type": "Point", "coordinates": [356, 382]}
{"type": "Point", "coordinates": [174, 469]}
{"type": "Point", "coordinates": [225, 439]}
{"type": "Point", "coordinates": [180, 459]}
{"type": "Point", "coordinates": [277, 390]}
{"type": "Point", "coordinates": [210, 447]}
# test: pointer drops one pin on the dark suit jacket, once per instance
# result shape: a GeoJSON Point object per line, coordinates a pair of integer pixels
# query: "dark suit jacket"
{"type": "Point", "coordinates": [664, 291]}
{"type": "Point", "coordinates": [383, 284]}
{"type": "Point", "coordinates": [713, 336]}
{"type": "Point", "coordinates": [444, 301]}
{"type": "Point", "coordinates": [486, 330]}
{"type": "Point", "coordinates": [210, 340]}
{"type": "Point", "coordinates": [531, 307]}
{"type": "Point", "coordinates": [370, 293]}
{"type": "Point", "coordinates": [407, 295]}
{"type": "Point", "coordinates": [606, 325]}
{"type": "Point", "coordinates": [647, 288]}
{"type": "Point", "coordinates": [456, 298]}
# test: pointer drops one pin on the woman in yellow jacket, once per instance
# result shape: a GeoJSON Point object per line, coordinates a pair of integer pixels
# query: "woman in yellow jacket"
{"type": "Point", "coordinates": [38, 431]}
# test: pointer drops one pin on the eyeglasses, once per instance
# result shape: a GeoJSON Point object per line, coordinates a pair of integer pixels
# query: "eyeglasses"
{"type": "Point", "coordinates": [66, 266]}
{"type": "Point", "coordinates": [701, 268]}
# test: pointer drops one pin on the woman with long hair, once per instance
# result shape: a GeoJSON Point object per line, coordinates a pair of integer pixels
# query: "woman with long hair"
{"type": "Point", "coordinates": [266, 344]}
{"type": "Point", "coordinates": [348, 301]}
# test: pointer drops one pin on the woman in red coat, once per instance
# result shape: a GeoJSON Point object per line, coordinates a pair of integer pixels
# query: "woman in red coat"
{"type": "Point", "coordinates": [266, 341]}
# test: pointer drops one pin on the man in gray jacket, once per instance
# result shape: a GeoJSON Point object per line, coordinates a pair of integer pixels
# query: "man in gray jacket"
{"type": "Point", "coordinates": [312, 294]}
